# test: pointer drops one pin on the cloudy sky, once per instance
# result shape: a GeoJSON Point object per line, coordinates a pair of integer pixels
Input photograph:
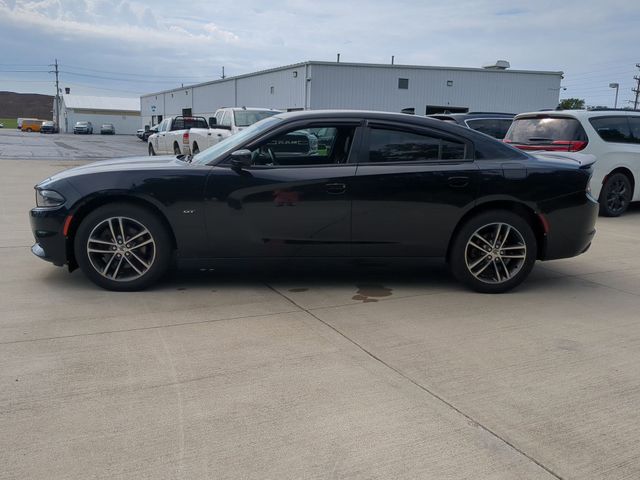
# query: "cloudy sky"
{"type": "Point", "coordinates": [129, 47]}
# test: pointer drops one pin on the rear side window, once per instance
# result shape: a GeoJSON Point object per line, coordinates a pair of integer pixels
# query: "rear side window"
{"type": "Point", "coordinates": [495, 127]}
{"type": "Point", "coordinates": [545, 130]}
{"type": "Point", "coordinates": [399, 146]}
{"type": "Point", "coordinates": [613, 129]}
{"type": "Point", "coordinates": [634, 124]}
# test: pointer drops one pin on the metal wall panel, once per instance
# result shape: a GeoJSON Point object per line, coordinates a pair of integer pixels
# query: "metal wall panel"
{"type": "Point", "coordinates": [368, 87]}
{"type": "Point", "coordinates": [376, 88]}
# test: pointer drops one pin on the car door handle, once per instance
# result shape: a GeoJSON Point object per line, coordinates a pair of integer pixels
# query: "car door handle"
{"type": "Point", "coordinates": [336, 188]}
{"type": "Point", "coordinates": [458, 182]}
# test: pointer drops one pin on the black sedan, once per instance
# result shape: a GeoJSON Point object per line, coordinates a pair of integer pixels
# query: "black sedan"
{"type": "Point", "coordinates": [383, 185]}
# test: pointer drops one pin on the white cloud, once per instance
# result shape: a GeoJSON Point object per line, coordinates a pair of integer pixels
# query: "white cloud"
{"type": "Point", "coordinates": [196, 38]}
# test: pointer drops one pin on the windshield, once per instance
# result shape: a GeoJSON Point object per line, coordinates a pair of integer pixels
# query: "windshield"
{"type": "Point", "coordinates": [244, 118]}
{"type": "Point", "coordinates": [231, 143]}
{"type": "Point", "coordinates": [82, 124]}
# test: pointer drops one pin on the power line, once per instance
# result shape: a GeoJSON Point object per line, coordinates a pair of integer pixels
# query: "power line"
{"type": "Point", "coordinates": [145, 75]}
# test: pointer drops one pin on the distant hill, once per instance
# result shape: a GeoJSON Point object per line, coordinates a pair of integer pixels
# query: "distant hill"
{"type": "Point", "coordinates": [14, 105]}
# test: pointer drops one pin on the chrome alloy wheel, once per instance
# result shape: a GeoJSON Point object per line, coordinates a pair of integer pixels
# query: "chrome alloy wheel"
{"type": "Point", "coordinates": [121, 249]}
{"type": "Point", "coordinates": [495, 253]}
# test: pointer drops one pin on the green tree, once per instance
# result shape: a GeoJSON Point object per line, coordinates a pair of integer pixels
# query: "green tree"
{"type": "Point", "coordinates": [571, 104]}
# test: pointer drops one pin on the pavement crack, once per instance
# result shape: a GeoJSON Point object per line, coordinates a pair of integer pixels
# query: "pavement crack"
{"type": "Point", "coordinates": [421, 387]}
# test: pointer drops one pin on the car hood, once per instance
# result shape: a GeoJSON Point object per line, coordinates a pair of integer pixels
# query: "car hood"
{"type": "Point", "coordinates": [119, 165]}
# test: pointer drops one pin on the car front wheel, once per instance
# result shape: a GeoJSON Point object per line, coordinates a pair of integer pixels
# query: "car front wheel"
{"type": "Point", "coordinates": [615, 195]}
{"type": "Point", "coordinates": [151, 150]}
{"type": "Point", "coordinates": [123, 247]}
{"type": "Point", "coordinates": [493, 252]}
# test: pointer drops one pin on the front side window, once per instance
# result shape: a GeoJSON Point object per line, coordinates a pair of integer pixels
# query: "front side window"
{"type": "Point", "coordinates": [613, 129]}
{"type": "Point", "coordinates": [323, 145]}
{"type": "Point", "coordinates": [400, 146]}
{"type": "Point", "coordinates": [226, 119]}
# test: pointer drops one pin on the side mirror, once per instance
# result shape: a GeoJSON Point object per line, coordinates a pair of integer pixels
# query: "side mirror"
{"type": "Point", "coordinates": [212, 122]}
{"type": "Point", "coordinates": [241, 159]}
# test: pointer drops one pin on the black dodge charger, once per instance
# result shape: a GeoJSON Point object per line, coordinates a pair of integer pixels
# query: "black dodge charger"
{"type": "Point", "coordinates": [376, 185]}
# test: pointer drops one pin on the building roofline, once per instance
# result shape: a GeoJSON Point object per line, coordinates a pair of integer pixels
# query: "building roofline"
{"type": "Point", "coordinates": [352, 64]}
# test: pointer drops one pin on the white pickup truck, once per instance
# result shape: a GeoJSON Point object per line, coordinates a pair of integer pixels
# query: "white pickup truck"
{"type": "Point", "coordinates": [227, 122]}
{"type": "Point", "coordinates": [172, 136]}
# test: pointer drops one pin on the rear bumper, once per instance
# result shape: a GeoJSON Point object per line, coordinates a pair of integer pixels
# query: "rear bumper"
{"type": "Point", "coordinates": [571, 226]}
{"type": "Point", "coordinates": [50, 243]}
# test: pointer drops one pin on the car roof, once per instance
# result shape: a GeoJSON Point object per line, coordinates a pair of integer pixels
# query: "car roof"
{"type": "Point", "coordinates": [578, 114]}
{"type": "Point", "coordinates": [417, 120]}
{"type": "Point", "coordinates": [471, 115]}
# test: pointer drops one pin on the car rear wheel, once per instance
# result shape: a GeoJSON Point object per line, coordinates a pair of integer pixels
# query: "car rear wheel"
{"type": "Point", "coordinates": [196, 149]}
{"type": "Point", "coordinates": [123, 247]}
{"type": "Point", "coordinates": [615, 195]}
{"type": "Point", "coordinates": [493, 252]}
{"type": "Point", "coordinates": [151, 150]}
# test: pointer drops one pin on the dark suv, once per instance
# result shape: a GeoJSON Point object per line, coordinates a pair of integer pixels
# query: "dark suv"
{"type": "Point", "coordinates": [490, 123]}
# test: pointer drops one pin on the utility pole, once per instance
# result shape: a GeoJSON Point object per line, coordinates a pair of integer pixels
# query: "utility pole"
{"type": "Point", "coordinates": [637, 89]}
{"type": "Point", "coordinates": [56, 71]}
{"type": "Point", "coordinates": [223, 75]}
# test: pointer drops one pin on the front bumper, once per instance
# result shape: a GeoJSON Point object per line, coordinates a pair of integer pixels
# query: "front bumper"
{"type": "Point", "coordinates": [51, 244]}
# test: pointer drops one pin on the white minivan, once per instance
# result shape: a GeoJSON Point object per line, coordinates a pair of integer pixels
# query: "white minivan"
{"type": "Point", "coordinates": [612, 136]}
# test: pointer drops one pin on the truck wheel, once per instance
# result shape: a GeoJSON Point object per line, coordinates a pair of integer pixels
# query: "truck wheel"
{"type": "Point", "coordinates": [176, 149]}
{"type": "Point", "coordinates": [151, 151]}
{"type": "Point", "coordinates": [195, 150]}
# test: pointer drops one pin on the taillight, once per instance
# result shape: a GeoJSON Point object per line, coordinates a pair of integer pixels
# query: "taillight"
{"type": "Point", "coordinates": [185, 138]}
{"type": "Point", "coordinates": [571, 146]}
{"type": "Point", "coordinates": [555, 146]}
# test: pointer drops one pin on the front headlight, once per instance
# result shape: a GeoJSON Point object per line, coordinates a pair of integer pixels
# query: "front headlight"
{"type": "Point", "coordinates": [48, 198]}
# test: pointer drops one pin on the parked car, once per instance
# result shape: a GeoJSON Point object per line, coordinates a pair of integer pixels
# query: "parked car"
{"type": "Point", "coordinates": [148, 132]}
{"type": "Point", "coordinates": [107, 129]}
{"type": "Point", "coordinates": [49, 127]}
{"type": "Point", "coordinates": [490, 123]}
{"type": "Point", "coordinates": [613, 136]}
{"type": "Point", "coordinates": [226, 122]}
{"type": "Point", "coordinates": [1, 125]}
{"type": "Point", "coordinates": [29, 125]}
{"type": "Point", "coordinates": [83, 127]}
{"type": "Point", "coordinates": [172, 135]}
{"type": "Point", "coordinates": [388, 185]}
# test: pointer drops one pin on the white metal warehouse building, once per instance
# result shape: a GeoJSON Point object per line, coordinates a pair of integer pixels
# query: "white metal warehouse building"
{"type": "Point", "coordinates": [123, 113]}
{"type": "Point", "coordinates": [327, 85]}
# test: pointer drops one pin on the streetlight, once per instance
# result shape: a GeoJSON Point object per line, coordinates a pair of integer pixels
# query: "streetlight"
{"type": "Point", "coordinates": [616, 86]}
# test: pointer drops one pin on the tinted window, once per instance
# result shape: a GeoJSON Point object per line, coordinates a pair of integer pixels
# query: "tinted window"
{"type": "Point", "coordinates": [495, 127]}
{"type": "Point", "coordinates": [613, 129]}
{"type": "Point", "coordinates": [399, 146]}
{"type": "Point", "coordinates": [542, 130]}
{"type": "Point", "coordinates": [309, 146]}
{"type": "Point", "coordinates": [634, 124]}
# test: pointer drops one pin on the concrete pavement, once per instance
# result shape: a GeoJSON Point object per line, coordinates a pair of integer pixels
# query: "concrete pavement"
{"type": "Point", "coordinates": [354, 373]}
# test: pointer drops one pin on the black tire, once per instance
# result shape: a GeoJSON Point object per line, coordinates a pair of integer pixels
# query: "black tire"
{"type": "Point", "coordinates": [176, 149]}
{"type": "Point", "coordinates": [196, 150]}
{"type": "Point", "coordinates": [152, 152]}
{"type": "Point", "coordinates": [132, 266]}
{"type": "Point", "coordinates": [615, 195]}
{"type": "Point", "coordinates": [29, 130]}
{"type": "Point", "coordinates": [502, 267]}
